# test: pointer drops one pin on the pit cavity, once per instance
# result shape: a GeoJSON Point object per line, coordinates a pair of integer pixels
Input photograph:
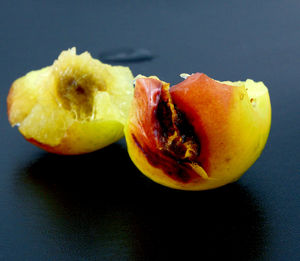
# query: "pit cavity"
{"type": "Point", "coordinates": [177, 135]}
{"type": "Point", "coordinates": [175, 149]}
{"type": "Point", "coordinates": [77, 95]}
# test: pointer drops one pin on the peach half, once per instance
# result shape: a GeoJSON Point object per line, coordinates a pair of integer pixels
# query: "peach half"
{"type": "Point", "coordinates": [199, 134]}
{"type": "Point", "coordinates": [75, 106]}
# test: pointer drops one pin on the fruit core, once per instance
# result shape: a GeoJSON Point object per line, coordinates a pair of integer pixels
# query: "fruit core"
{"type": "Point", "coordinates": [178, 144]}
{"type": "Point", "coordinates": [76, 94]}
{"type": "Point", "coordinates": [177, 136]}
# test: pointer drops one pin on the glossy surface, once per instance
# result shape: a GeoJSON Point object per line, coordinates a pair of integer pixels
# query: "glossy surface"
{"type": "Point", "coordinates": [99, 206]}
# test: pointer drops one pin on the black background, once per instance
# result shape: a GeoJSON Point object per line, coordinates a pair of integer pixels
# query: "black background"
{"type": "Point", "coordinates": [99, 206]}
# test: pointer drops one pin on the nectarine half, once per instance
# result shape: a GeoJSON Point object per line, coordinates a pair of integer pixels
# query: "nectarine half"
{"type": "Point", "coordinates": [199, 134]}
{"type": "Point", "coordinates": [75, 106]}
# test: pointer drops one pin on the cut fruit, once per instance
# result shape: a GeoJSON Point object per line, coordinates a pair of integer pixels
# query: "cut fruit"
{"type": "Point", "coordinates": [75, 106]}
{"type": "Point", "coordinates": [199, 134]}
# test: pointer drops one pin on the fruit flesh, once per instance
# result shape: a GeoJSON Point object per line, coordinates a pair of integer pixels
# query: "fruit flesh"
{"type": "Point", "coordinates": [225, 131]}
{"type": "Point", "coordinates": [75, 106]}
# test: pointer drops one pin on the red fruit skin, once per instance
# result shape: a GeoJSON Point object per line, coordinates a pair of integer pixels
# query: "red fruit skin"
{"type": "Point", "coordinates": [208, 117]}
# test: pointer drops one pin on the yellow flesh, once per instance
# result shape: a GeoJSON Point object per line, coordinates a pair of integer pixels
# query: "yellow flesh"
{"type": "Point", "coordinates": [76, 90]}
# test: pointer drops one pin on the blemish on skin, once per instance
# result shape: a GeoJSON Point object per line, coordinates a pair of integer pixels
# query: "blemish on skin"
{"type": "Point", "coordinates": [137, 143]}
{"type": "Point", "coordinates": [242, 96]}
{"type": "Point", "coordinates": [227, 159]}
{"type": "Point", "coordinates": [253, 102]}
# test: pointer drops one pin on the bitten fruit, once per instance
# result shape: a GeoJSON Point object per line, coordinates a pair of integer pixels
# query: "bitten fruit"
{"type": "Point", "coordinates": [75, 106]}
{"type": "Point", "coordinates": [199, 134]}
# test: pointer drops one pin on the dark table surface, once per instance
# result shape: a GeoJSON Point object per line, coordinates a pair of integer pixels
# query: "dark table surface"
{"type": "Point", "coordinates": [99, 206]}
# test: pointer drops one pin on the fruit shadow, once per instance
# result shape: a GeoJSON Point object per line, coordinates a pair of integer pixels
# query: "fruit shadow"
{"type": "Point", "coordinates": [101, 201]}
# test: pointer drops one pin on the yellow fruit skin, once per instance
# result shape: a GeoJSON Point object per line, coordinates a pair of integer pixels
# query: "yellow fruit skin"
{"type": "Point", "coordinates": [48, 117]}
{"type": "Point", "coordinates": [86, 137]}
{"type": "Point", "coordinates": [231, 123]}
